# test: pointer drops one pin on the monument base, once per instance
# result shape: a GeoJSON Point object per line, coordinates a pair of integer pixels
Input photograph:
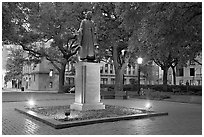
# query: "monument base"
{"type": "Point", "coordinates": [87, 87]}
{"type": "Point", "coordinates": [82, 107]}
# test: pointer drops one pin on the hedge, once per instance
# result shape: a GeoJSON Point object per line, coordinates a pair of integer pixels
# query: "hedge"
{"type": "Point", "coordinates": [193, 90]}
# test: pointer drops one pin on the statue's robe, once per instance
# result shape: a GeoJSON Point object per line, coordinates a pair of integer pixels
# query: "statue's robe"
{"type": "Point", "coordinates": [87, 39]}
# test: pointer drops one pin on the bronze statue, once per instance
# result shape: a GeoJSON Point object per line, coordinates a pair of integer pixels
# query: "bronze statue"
{"type": "Point", "coordinates": [87, 39]}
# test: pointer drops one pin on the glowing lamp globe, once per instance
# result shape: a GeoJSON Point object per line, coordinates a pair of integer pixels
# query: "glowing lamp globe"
{"type": "Point", "coordinates": [139, 60]}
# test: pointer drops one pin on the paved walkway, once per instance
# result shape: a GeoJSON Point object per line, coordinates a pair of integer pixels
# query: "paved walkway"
{"type": "Point", "coordinates": [183, 119]}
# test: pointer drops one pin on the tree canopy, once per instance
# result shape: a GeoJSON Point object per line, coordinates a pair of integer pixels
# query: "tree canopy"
{"type": "Point", "coordinates": [169, 33]}
{"type": "Point", "coordinates": [165, 32]}
{"type": "Point", "coordinates": [14, 64]}
{"type": "Point", "coordinates": [44, 29]}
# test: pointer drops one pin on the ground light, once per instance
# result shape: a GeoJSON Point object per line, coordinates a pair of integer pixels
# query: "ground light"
{"type": "Point", "coordinates": [31, 103]}
{"type": "Point", "coordinates": [148, 106]}
{"type": "Point", "coordinates": [67, 114]}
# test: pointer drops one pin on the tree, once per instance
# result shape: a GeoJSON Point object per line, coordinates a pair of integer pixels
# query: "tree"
{"type": "Point", "coordinates": [149, 71]}
{"type": "Point", "coordinates": [14, 65]}
{"type": "Point", "coordinates": [168, 31]}
{"type": "Point", "coordinates": [114, 39]}
{"type": "Point", "coordinates": [34, 24]}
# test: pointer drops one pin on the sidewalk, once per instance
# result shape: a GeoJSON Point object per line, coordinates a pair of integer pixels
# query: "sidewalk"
{"type": "Point", "coordinates": [183, 119]}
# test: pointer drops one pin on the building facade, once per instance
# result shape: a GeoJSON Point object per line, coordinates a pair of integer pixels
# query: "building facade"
{"type": "Point", "coordinates": [191, 73]}
{"type": "Point", "coordinates": [44, 77]}
{"type": "Point", "coordinates": [107, 72]}
{"type": "Point", "coordinates": [40, 77]}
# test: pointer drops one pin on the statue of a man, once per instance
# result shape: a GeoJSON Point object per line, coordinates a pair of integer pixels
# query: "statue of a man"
{"type": "Point", "coordinates": [87, 39]}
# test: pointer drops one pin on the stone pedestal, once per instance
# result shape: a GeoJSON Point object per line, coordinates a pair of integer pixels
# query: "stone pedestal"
{"type": "Point", "coordinates": [87, 87]}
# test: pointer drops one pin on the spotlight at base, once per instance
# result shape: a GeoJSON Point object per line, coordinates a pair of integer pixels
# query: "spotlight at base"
{"type": "Point", "coordinates": [148, 106]}
{"type": "Point", "coordinates": [31, 102]}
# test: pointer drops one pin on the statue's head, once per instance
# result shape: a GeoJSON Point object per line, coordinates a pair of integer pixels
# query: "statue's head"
{"type": "Point", "coordinates": [89, 15]}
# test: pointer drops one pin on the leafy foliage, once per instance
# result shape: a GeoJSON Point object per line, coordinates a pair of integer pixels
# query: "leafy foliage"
{"type": "Point", "coordinates": [14, 65]}
{"type": "Point", "coordinates": [169, 33]}
{"type": "Point", "coordinates": [114, 39]}
{"type": "Point", "coordinates": [45, 29]}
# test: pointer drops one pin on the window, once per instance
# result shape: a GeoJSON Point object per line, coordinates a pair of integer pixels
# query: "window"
{"type": "Point", "coordinates": [133, 72]}
{"type": "Point", "coordinates": [104, 80]}
{"type": "Point", "coordinates": [70, 81]}
{"type": "Point", "coordinates": [51, 85]}
{"type": "Point", "coordinates": [101, 71]}
{"type": "Point", "coordinates": [51, 72]}
{"type": "Point", "coordinates": [29, 81]}
{"type": "Point", "coordinates": [106, 68]}
{"type": "Point", "coordinates": [67, 78]}
{"type": "Point", "coordinates": [129, 70]}
{"type": "Point", "coordinates": [180, 72]}
{"type": "Point", "coordinates": [199, 82]}
{"type": "Point", "coordinates": [111, 69]}
{"type": "Point", "coordinates": [34, 66]}
{"type": "Point", "coordinates": [112, 81]}
{"type": "Point", "coordinates": [192, 71]}
{"type": "Point", "coordinates": [191, 82]}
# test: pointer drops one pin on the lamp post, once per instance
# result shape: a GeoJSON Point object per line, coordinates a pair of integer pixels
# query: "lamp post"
{"type": "Point", "coordinates": [139, 61]}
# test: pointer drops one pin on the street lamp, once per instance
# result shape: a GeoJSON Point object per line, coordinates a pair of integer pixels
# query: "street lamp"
{"type": "Point", "coordinates": [139, 61]}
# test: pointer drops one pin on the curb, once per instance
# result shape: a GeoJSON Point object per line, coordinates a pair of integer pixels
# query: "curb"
{"type": "Point", "coordinates": [59, 125]}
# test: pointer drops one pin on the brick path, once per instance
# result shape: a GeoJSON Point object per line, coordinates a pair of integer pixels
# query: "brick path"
{"type": "Point", "coordinates": [183, 119]}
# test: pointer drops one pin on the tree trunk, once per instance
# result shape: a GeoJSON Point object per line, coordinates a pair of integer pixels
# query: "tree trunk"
{"type": "Point", "coordinates": [61, 78]}
{"type": "Point", "coordinates": [165, 73]}
{"type": "Point", "coordinates": [174, 74]}
{"type": "Point", "coordinates": [118, 80]}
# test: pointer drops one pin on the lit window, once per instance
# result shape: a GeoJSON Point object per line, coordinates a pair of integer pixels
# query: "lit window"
{"type": "Point", "coordinates": [51, 72]}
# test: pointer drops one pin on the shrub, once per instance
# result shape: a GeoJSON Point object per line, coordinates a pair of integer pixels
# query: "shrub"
{"type": "Point", "coordinates": [192, 90]}
{"type": "Point", "coordinates": [110, 87]}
